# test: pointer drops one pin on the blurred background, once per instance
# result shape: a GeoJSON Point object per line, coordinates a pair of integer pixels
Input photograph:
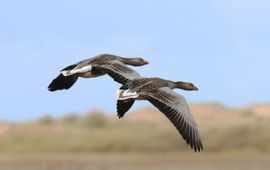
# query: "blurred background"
{"type": "Point", "coordinates": [220, 46]}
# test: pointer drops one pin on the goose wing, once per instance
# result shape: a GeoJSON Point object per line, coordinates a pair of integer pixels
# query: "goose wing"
{"type": "Point", "coordinates": [176, 109]}
{"type": "Point", "coordinates": [118, 71]}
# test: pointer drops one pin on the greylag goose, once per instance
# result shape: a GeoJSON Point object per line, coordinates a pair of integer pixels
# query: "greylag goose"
{"type": "Point", "coordinates": [87, 69]}
{"type": "Point", "coordinates": [160, 93]}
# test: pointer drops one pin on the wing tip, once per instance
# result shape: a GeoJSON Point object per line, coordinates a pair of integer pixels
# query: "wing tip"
{"type": "Point", "coordinates": [198, 147]}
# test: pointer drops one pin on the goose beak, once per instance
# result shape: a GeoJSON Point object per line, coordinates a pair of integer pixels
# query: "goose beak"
{"type": "Point", "coordinates": [146, 62]}
{"type": "Point", "coordinates": [195, 88]}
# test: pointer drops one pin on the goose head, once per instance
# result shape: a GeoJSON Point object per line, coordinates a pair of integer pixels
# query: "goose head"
{"type": "Point", "coordinates": [186, 86]}
{"type": "Point", "coordinates": [135, 61]}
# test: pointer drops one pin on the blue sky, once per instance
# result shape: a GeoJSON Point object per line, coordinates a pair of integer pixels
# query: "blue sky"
{"type": "Point", "coordinates": [221, 46]}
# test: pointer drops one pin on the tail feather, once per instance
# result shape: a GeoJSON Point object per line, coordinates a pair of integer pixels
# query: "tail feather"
{"type": "Point", "coordinates": [62, 82]}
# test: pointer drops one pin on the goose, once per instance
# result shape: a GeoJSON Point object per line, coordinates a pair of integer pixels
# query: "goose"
{"type": "Point", "coordinates": [87, 69]}
{"type": "Point", "coordinates": [159, 92]}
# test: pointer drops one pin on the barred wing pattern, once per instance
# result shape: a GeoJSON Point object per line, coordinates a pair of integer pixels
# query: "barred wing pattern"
{"type": "Point", "coordinates": [118, 71]}
{"type": "Point", "coordinates": [175, 108]}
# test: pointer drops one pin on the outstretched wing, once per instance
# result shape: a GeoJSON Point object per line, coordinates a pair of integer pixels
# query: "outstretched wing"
{"type": "Point", "coordinates": [176, 109]}
{"type": "Point", "coordinates": [118, 71]}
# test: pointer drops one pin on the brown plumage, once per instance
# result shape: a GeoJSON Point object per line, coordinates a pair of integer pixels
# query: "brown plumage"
{"type": "Point", "coordinates": [88, 68]}
{"type": "Point", "coordinates": [160, 93]}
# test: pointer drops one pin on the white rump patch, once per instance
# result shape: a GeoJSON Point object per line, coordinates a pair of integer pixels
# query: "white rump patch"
{"type": "Point", "coordinates": [84, 69]}
{"type": "Point", "coordinates": [66, 72]}
{"type": "Point", "coordinates": [126, 94]}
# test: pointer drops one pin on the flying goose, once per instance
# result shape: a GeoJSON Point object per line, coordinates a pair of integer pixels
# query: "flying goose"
{"type": "Point", "coordinates": [160, 93]}
{"type": "Point", "coordinates": [87, 69]}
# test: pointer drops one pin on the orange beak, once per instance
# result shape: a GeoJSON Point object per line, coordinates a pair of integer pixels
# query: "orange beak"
{"type": "Point", "coordinates": [195, 88]}
{"type": "Point", "coordinates": [146, 62]}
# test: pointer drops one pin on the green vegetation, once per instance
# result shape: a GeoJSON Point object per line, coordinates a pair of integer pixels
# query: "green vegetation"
{"type": "Point", "coordinates": [95, 120]}
{"type": "Point", "coordinates": [46, 120]}
{"type": "Point", "coordinates": [96, 132]}
{"type": "Point", "coordinates": [137, 161]}
{"type": "Point", "coordinates": [248, 113]}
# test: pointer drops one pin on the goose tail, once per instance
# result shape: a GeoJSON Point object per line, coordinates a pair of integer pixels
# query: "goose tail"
{"type": "Point", "coordinates": [62, 82]}
{"type": "Point", "coordinates": [126, 94]}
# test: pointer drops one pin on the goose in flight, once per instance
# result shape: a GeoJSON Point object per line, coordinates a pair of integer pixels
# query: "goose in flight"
{"type": "Point", "coordinates": [160, 93]}
{"type": "Point", "coordinates": [88, 68]}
